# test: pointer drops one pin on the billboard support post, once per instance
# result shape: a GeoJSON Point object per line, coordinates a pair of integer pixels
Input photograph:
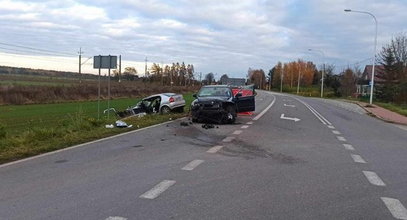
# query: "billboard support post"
{"type": "Point", "coordinates": [104, 62]}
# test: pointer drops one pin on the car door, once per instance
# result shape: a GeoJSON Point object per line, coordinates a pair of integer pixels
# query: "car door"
{"type": "Point", "coordinates": [245, 104]}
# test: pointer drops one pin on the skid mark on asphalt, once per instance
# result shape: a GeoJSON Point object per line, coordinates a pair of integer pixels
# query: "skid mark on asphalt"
{"type": "Point", "coordinates": [158, 189]}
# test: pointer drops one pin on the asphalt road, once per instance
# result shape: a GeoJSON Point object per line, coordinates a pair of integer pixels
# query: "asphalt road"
{"type": "Point", "coordinates": [319, 160]}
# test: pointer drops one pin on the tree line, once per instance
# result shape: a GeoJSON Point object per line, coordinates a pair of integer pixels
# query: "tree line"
{"type": "Point", "coordinates": [390, 81]}
{"type": "Point", "coordinates": [175, 74]}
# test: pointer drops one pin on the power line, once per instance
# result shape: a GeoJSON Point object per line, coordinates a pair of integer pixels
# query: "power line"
{"type": "Point", "coordinates": [37, 49]}
{"type": "Point", "coordinates": [37, 58]}
{"type": "Point", "coordinates": [39, 52]}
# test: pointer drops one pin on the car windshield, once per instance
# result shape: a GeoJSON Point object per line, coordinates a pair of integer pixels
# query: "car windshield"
{"type": "Point", "coordinates": [214, 91]}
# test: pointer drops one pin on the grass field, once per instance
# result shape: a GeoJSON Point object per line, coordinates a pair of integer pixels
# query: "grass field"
{"type": "Point", "coordinates": [27, 130]}
{"type": "Point", "coordinates": [18, 118]}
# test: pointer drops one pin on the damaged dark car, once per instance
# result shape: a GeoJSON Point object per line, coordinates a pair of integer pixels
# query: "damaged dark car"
{"type": "Point", "coordinates": [217, 104]}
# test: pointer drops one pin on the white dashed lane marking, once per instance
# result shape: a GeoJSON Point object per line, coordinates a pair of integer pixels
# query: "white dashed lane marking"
{"type": "Point", "coordinates": [331, 127]}
{"type": "Point", "coordinates": [214, 149]}
{"type": "Point", "coordinates": [336, 132]}
{"type": "Point", "coordinates": [395, 207]}
{"type": "Point", "coordinates": [192, 165]}
{"type": "Point", "coordinates": [374, 178]}
{"type": "Point", "coordinates": [341, 138]}
{"type": "Point", "coordinates": [348, 147]}
{"type": "Point", "coordinates": [244, 126]}
{"type": "Point", "coordinates": [249, 123]}
{"type": "Point", "coordinates": [237, 132]}
{"type": "Point", "coordinates": [357, 158]}
{"type": "Point", "coordinates": [116, 218]}
{"type": "Point", "coordinates": [228, 139]}
{"type": "Point", "coordinates": [158, 189]}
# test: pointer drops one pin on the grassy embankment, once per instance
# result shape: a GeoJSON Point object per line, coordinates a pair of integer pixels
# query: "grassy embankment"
{"type": "Point", "coordinates": [27, 130]}
{"type": "Point", "coordinates": [315, 91]}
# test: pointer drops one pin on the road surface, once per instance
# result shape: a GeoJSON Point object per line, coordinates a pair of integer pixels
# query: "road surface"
{"type": "Point", "coordinates": [295, 158]}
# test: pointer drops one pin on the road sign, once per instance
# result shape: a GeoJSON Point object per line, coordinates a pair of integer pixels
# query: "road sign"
{"type": "Point", "coordinates": [105, 62]}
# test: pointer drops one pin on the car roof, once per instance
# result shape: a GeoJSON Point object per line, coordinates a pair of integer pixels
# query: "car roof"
{"type": "Point", "coordinates": [160, 94]}
{"type": "Point", "coordinates": [217, 86]}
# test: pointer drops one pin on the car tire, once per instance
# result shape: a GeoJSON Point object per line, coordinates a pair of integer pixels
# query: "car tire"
{"type": "Point", "coordinates": [165, 110]}
{"type": "Point", "coordinates": [230, 116]}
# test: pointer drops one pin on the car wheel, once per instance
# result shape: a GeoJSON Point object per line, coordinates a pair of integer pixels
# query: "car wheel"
{"type": "Point", "coordinates": [230, 116]}
{"type": "Point", "coordinates": [165, 110]}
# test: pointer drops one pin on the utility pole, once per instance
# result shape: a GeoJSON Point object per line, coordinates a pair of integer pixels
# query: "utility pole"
{"type": "Point", "coordinates": [80, 64]}
{"type": "Point", "coordinates": [120, 67]}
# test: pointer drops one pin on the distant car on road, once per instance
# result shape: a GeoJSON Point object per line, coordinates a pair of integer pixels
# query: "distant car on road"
{"type": "Point", "coordinates": [163, 103]}
{"type": "Point", "coordinates": [216, 103]}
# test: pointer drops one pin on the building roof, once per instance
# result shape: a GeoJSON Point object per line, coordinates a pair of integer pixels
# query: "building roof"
{"type": "Point", "coordinates": [379, 73]}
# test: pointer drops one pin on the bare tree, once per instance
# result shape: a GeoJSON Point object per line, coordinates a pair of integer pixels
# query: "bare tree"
{"type": "Point", "coordinates": [209, 78]}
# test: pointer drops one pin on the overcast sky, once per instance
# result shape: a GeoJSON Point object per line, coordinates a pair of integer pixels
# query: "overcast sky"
{"type": "Point", "coordinates": [227, 36]}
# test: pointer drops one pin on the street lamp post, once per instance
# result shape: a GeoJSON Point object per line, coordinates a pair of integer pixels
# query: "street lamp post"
{"type": "Point", "coordinates": [323, 71]}
{"type": "Point", "coordinates": [374, 55]}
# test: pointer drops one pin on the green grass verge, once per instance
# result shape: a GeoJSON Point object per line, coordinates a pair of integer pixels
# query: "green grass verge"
{"type": "Point", "coordinates": [30, 130]}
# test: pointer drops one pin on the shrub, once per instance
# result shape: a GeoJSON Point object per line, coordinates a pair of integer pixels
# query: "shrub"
{"type": "Point", "coordinates": [3, 131]}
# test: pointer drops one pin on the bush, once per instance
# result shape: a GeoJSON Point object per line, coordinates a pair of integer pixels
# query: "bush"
{"type": "Point", "coordinates": [3, 131]}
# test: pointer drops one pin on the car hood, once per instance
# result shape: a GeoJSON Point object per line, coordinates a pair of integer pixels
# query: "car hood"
{"type": "Point", "coordinates": [212, 98]}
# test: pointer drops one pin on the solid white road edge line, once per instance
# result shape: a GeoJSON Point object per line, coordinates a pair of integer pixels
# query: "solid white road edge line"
{"type": "Point", "coordinates": [357, 158]}
{"type": "Point", "coordinates": [244, 126]}
{"type": "Point", "coordinates": [374, 178]}
{"type": "Point", "coordinates": [395, 207]}
{"type": "Point", "coordinates": [237, 132]}
{"type": "Point", "coordinates": [265, 110]}
{"type": "Point", "coordinates": [158, 189]}
{"type": "Point", "coordinates": [214, 149]}
{"type": "Point", "coordinates": [87, 143]}
{"type": "Point", "coordinates": [192, 165]}
{"type": "Point", "coordinates": [348, 147]}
